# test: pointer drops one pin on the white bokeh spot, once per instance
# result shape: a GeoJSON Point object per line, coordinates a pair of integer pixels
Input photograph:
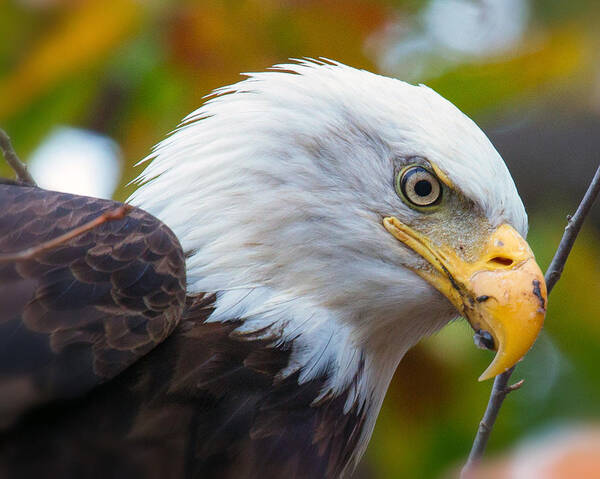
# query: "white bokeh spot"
{"type": "Point", "coordinates": [446, 33]}
{"type": "Point", "coordinates": [78, 161]}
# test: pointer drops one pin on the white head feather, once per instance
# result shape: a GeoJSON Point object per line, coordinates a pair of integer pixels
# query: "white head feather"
{"type": "Point", "coordinates": [276, 187]}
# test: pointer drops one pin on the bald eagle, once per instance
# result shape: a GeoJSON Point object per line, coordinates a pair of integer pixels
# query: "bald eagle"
{"type": "Point", "coordinates": [290, 241]}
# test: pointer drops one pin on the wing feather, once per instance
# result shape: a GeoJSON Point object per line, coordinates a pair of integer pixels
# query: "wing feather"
{"type": "Point", "coordinates": [77, 315]}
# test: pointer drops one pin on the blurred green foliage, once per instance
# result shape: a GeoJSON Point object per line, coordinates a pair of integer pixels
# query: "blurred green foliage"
{"type": "Point", "coordinates": [132, 70]}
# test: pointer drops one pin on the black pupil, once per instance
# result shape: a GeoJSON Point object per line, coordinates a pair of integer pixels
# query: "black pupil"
{"type": "Point", "coordinates": [423, 188]}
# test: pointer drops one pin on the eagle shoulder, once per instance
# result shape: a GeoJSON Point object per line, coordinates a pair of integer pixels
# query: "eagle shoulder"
{"type": "Point", "coordinates": [76, 315]}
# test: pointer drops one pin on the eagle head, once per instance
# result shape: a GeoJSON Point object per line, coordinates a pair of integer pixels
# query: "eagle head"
{"type": "Point", "coordinates": [348, 214]}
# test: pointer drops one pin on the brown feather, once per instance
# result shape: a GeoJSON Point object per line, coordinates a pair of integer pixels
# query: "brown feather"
{"type": "Point", "coordinates": [204, 403]}
{"type": "Point", "coordinates": [78, 314]}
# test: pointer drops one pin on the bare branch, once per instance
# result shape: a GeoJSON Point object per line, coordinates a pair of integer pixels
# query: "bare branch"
{"type": "Point", "coordinates": [499, 392]}
{"type": "Point", "coordinates": [571, 231]}
{"type": "Point", "coordinates": [13, 160]}
{"type": "Point", "coordinates": [500, 389]}
{"type": "Point", "coordinates": [116, 214]}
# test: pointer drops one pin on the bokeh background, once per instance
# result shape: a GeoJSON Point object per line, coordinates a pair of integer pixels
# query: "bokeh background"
{"type": "Point", "coordinates": [87, 87]}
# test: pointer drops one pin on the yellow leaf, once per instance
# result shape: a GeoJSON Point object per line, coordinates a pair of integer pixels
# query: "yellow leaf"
{"type": "Point", "coordinates": [81, 38]}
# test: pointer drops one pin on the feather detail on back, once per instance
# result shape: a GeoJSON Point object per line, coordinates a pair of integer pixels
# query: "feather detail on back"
{"type": "Point", "coordinates": [205, 403]}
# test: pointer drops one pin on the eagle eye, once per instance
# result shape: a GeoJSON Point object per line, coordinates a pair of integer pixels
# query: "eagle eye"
{"type": "Point", "coordinates": [418, 186]}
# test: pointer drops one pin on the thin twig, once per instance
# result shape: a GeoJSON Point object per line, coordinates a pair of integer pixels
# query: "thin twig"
{"type": "Point", "coordinates": [116, 214]}
{"type": "Point", "coordinates": [515, 386]}
{"type": "Point", "coordinates": [571, 231]}
{"type": "Point", "coordinates": [553, 273]}
{"type": "Point", "coordinates": [499, 392]}
{"type": "Point", "coordinates": [13, 160]}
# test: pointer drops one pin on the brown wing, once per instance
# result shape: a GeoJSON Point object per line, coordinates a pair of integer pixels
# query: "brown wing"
{"type": "Point", "coordinates": [78, 314]}
{"type": "Point", "coordinates": [204, 404]}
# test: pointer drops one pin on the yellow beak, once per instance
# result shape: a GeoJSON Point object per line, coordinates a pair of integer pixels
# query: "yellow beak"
{"type": "Point", "coordinates": [502, 293]}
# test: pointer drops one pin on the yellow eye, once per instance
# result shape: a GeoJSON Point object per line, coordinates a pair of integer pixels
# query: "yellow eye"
{"type": "Point", "coordinates": [419, 186]}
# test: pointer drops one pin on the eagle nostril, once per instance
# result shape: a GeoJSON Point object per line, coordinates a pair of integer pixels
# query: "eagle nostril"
{"type": "Point", "coordinates": [500, 260]}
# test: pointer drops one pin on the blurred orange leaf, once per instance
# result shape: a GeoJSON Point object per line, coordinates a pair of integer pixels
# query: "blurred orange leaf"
{"type": "Point", "coordinates": [82, 37]}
